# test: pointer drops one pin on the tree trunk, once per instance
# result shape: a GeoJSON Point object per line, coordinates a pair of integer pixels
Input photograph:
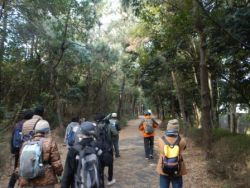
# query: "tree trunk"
{"type": "Point", "coordinates": [180, 100]}
{"type": "Point", "coordinates": [197, 114]}
{"type": "Point", "coordinates": [134, 105]}
{"type": "Point", "coordinates": [205, 95]}
{"type": "Point", "coordinates": [119, 109]}
{"type": "Point", "coordinates": [233, 120]}
{"type": "Point", "coordinates": [3, 37]}
{"type": "Point", "coordinates": [2, 49]}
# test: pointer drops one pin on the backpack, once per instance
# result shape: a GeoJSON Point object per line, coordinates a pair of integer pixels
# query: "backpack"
{"type": "Point", "coordinates": [88, 170]}
{"type": "Point", "coordinates": [171, 160]}
{"type": "Point", "coordinates": [104, 141]}
{"type": "Point", "coordinates": [31, 162]}
{"type": "Point", "coordinates": [148, 129]}
{"type": "Point", "coordinates": [17, 138]}
{"type": "Point", "coordinates": [112, 124]}
{"type": "Point", "coordinates": [71, 137]}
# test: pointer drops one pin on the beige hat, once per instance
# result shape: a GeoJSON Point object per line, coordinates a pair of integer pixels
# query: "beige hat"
{"type": "Point", "coordinates": [42, 126]}
{"type": "Point", "coordinates": [173, 126]}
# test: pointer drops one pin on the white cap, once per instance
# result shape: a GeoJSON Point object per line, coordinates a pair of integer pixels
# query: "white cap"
{"type": "Point", "coordinates": [114, 115]}
{"type": "Point", "coordinates": [42, 126]}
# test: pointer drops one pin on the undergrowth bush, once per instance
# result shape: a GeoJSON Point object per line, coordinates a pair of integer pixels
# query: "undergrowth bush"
{"type": "Point", "coordinates": [5, 155]}
{"type": "Point", "coordinates": [231, 155]}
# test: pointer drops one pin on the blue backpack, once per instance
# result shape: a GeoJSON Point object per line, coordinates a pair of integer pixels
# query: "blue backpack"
{"type": "Point", "coordinates": [17, 138]}
{"type": "Point", "coordinates": [71, 137]}
{"type": "Point", "coordinates": [113, 128]}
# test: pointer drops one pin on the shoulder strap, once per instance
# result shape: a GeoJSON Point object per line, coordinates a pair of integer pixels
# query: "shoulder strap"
{"type": "Point", "coordinates": [35, 124]}
{"type": "Point", "coordinates": [154, 121]}
{"type": "Point", "coordinates": [176, 142]}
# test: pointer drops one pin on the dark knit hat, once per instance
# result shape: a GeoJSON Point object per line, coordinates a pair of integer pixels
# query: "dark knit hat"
{"type": "Point", "coordinates": [87, 128]}
{"type": "Point", "coordinates": [27, 114]}
{"type": "Point", "coordinates": [39, 110]}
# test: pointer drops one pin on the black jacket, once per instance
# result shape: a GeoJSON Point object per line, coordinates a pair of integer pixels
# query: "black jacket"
{"type": "Point", "coordinates": [71, 163]}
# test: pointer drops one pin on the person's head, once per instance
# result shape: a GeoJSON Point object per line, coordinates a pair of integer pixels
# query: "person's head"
{"type": "Point", "coordinates": [82, 120]}
{"type": "Point", "coordinates": [39, 110]}
{"type": "Point", "coordinates": [99, 117]}
{"type": "Point", "coordinates": [172, 127]}
{"type": "Point", "coordinates": [147, 113]}
{"type": "Point", "coordinates": [75, 119]}
{"type": "Point", "coordinates": [114, 115]}
{"type": "Point", "coordinates": [87, 129]}
{"type": "Point", "coordinates": [27, 114]}
{"type": "Point", "coordinates": [42, 126]}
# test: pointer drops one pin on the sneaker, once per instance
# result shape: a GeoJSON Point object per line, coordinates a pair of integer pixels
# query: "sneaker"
{"type": "Point", "coordinates": [147, 158]}
{"type": "Point", "coordinates": [151, 157]}
{"type": "Point", "coordinates": [111, 182]}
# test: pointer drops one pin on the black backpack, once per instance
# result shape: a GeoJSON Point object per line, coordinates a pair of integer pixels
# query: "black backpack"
{"type": "Point", "coordinates": [88, 170]}
{"type": "Point", "coordinates": [104, 142]}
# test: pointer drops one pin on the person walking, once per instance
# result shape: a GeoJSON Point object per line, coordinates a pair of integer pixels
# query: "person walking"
{"type": "Point", "coordinates": [104, 140]}
{"type": "Point", "coordinates": [29, 125]}
{"type": "Point", "coordinates": [73, 171]}
{"type": "Point", "coordinates": [115, 128]}
{"type": "Point", "coordinates": [16, 144]}
{"type": "Point", "coordinates": [171, 166]}
{"type": "Point", "coordinates": [71, 132]}
{"type": "Point", "coordinates": [147, 127]}
{"type": "Point", "coordinates": [49, 160]}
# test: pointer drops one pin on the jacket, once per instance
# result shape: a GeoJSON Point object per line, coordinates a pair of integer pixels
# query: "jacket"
{"type": "Point", "coordinates": [52, 163]}
{"type": "Point", "coordinates": [143, 125]}
{"type": "Point", "coordinates": [29, 124]}
{"type": "Point", "coordinates": [71, 162]}
{"type": "Point", "coordinates": [161, 144]}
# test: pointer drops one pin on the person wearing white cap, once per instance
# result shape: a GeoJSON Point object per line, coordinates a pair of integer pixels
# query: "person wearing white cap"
{"type": "Point", "coordinates": [171, 138]}
{"type": "Point", "coordinates": [50, 159]}
{"type": "Point", "coordinates": [115, 128]}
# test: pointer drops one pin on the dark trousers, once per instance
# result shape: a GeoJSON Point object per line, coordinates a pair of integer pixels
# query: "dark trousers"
{"type": "Point", "coordinates": [166, 180]}
{"type": "Point", "coordinates": [149, 146]}
{"type": "Point", "coordinates": [110, 171]}
{"type": "Point", "coordinates": [115, 140]}
{"type": "Point", "coordinates": [14, 176]}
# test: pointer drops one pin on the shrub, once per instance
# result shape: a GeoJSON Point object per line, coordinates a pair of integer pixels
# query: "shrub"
{"type": "Point", "coordinates": [230, 160]}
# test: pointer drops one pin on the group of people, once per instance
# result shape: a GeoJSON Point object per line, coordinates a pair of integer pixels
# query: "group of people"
{"type": "Point", "coordinates": [170, 165]}
{"type": "Point", "coordinates": [90, 149]}
{"type": "Point", "coordinates": [92, 146]}
{"type": "Point", "coordinates": [37, 159]}
{"type": "Point", "coordinates": [103, 136]}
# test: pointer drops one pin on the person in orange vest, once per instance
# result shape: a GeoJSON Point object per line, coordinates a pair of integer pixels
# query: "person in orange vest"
{"type": "Point", "coordinates": [147, 127]}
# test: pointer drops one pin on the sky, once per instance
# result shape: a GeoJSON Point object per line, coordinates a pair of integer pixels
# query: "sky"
{"type": "Point", "coordinates": [111, 13]}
